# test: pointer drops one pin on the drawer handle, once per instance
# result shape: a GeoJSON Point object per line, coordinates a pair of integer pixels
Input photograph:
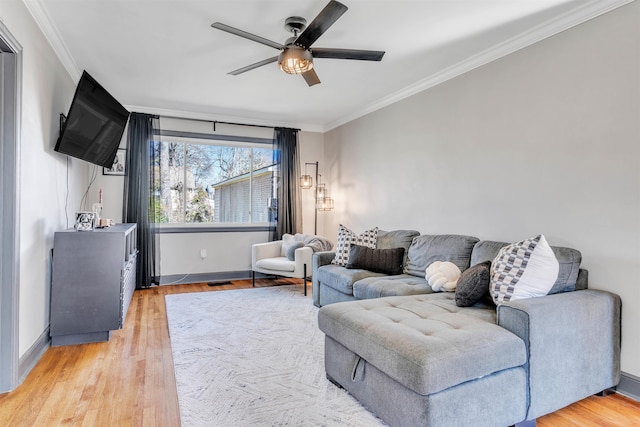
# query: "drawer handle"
{"type": "Point", "coordinates": [357, 374]}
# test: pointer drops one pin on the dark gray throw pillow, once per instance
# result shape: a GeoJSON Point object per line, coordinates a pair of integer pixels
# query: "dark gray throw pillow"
{"type": "Point", "coordinates": [473, 284]}
{"type": "Point", "coordinates": [386, 261]}
{"type": "Point", "coordinates": [291, 250]}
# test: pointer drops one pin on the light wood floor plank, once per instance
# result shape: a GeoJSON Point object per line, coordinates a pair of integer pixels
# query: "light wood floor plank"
{"type": "Point", "coordinates": [129, 380]}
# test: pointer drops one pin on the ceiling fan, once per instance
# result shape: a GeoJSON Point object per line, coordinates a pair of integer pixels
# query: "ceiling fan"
{"type": "Point", "coordinates": [296, 56]}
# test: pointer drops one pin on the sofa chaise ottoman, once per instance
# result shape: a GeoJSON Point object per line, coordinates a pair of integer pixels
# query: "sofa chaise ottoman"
{"type": "Point", "coordinates": [422, 360]}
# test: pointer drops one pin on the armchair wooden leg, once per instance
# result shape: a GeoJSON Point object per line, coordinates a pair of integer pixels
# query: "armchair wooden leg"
{"type": "Point", "coordinates": [305, 280]}
{"type": "Point", "coordinates": [253, 278]}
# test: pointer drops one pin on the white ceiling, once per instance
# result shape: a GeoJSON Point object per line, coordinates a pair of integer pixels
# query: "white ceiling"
{"type": "Point", "coordinates": [162, 56]}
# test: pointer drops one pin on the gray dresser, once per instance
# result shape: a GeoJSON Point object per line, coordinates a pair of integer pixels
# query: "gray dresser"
{"type": "Point", "coordinates": [94, 276]}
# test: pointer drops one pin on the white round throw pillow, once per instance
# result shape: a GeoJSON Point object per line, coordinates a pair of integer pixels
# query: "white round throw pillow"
{"type": "Point", "coordinates": [443, 276]}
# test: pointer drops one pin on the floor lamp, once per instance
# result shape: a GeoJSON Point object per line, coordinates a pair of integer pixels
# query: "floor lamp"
{"type": "Point", "coordinates": [322, 200]}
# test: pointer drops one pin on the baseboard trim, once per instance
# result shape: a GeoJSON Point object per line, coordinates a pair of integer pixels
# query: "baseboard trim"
{"type": "Point", "coordinates": [180, 279]}
{"type": "Point", "coordinates": [629, 386]}
{"type": "Point", "coordinates": [33, 355]}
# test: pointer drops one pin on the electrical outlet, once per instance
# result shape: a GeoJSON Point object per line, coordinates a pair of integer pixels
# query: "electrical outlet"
{"type": "Point", "coordinates": [203, 253]}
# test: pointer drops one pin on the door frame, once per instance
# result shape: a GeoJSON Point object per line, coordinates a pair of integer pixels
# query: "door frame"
{"type": "Point", "coordinates": [10, 120]}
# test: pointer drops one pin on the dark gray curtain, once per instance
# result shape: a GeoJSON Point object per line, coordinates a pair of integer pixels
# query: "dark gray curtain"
{"type": "Point", "coordinates": [288, 217]}
{"type": "Point", "coordinates": [138, 204]}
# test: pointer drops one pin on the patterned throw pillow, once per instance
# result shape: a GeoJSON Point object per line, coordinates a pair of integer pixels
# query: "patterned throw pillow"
{"type": "Point", "coordinates": [347, 237]}
{"type": "Point", "coordinates": [524, 269]}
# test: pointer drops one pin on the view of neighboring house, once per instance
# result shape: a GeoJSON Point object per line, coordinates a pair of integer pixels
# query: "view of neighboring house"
{"type": "Point", "coordinates": [236, 198]}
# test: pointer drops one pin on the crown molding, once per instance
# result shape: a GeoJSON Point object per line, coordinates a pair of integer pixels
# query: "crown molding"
{"type": "Point", "coordinates": [577, 16]}
{"type": "Point", "coordinates": [50, 31]}
{"type": "Point", "coordinates": [586, 11]}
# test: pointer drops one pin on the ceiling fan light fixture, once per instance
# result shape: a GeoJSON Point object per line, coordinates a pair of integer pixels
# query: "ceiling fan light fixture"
{"type": "Point", "coordinates": [295, 60]}
{"type": "Point", "coordinates": [295, 53]}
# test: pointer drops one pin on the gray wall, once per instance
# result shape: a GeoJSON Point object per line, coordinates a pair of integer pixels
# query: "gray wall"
{"type": "Point", "coordinates": [545, 140]}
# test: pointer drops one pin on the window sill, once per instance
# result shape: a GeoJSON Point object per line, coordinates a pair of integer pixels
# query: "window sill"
{"type": "Point", "coordinates": [196, 228]}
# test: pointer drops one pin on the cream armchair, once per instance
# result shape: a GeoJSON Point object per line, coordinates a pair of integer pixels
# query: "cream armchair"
{"type": "Point", "coordinates": [271, 258]}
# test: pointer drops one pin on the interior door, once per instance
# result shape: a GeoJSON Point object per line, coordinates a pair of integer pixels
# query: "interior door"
{"type": "Point", "coordinates": [10, 52]}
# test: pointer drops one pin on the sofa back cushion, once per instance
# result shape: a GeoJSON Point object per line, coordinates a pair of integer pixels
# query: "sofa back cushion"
{"type": "Point", "coordinates": [427, 249]}
{"type": "Point", "coordinates": [396, 239]}
{"type": "Point", "coordinates": [568, 258]}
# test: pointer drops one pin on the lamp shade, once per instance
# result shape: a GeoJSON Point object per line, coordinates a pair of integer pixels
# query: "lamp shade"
{"type": "Point", "coordinates": [306, 181]}
{"type": "Point", "coordinates": [321, 191]}
{"type": "Point", "coordinates": [295, 60]}
{"type": "Point", "coordinates": [325, 204]}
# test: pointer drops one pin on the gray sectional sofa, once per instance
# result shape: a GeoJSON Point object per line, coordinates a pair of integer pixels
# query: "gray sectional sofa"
{"type": "Point", "coordinates": [414, 357]}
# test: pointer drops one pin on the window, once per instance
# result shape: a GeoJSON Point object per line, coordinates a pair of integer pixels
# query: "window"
{"type": "Point", "coordinates": [205, 182]}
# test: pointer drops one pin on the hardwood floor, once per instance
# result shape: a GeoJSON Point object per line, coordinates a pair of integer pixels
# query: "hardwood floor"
{"type": "Point", "coordinates": [129, 380]}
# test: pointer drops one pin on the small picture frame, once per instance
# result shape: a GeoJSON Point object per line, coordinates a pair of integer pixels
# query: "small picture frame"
{"type": "Point", "coordinates": [119, 165]}
{"type": "Point", "coordinates": [85, 221]}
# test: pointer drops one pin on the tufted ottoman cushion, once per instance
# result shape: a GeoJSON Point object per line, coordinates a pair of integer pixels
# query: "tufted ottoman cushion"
{"type": "Point", "coordinates": [425, 342]}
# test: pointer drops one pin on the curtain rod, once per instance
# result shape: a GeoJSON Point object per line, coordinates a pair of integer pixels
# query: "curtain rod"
{"type": "Point", "coordinates": [218, 121]}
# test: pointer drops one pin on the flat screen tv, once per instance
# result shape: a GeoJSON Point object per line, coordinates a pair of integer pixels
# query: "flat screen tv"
{"type": "Point", "coordinates": [94, 126]}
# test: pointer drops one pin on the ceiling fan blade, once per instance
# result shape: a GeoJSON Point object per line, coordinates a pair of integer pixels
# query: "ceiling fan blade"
{"type": "Point", "coordinates": [311, 77]}
{"type": "Point", "coordinates": [252, 66]}
{"type": "Point", "coordinates": [321, 23]}
{"type": "Point", "coordinates": [244, 34]}
{"type": "Point", "coordinates": [361, 55]}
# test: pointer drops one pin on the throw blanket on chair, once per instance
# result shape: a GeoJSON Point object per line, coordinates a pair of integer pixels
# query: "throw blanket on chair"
{"type": "Point", "coordinates": [317, 243]}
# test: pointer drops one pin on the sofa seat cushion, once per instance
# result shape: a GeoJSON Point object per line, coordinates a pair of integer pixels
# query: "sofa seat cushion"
{"type": "Point", "coordinates": [386, 286]}
{"type": "Point", "coordinates": [280, 263]}
{"type": "Point", "coordinates": [424, 342]}
{"type": "Point", "coordinates": [341, 279]}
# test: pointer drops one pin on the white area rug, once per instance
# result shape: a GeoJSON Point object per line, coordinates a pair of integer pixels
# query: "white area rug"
{"type": "Point", "coordinates": [254, 357]}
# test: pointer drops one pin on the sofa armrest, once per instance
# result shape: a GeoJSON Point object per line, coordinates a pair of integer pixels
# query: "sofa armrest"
{"type": "Point", "coordinates": [265, 250]}
{"type": "Point", "coordinates": [319, 259]}
{"type": "Point", "coordinates": [322, 258]}
{"type": "Point", "coordinates": [573, 345]}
